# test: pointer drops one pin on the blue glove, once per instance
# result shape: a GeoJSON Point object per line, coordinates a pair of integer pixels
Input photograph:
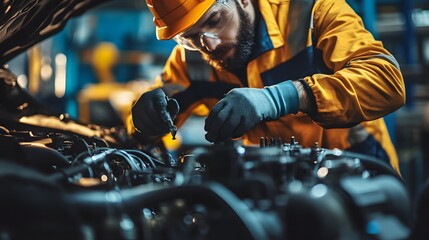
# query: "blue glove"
{"type": "Point", "coordinates": [242, 108]}
{"type": "Point", "coordinates": [153, 113]}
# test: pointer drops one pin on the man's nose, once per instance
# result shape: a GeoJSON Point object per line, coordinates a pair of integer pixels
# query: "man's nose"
{"type": "Point", "coordinates": [209, 43]}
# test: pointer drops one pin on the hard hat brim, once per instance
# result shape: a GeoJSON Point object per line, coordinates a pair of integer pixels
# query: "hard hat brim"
{"type": "Point", "coordinates": [168, 32]}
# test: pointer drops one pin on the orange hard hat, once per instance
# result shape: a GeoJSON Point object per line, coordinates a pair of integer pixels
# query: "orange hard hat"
{"type": "Point", "coordinates": [172, 17]}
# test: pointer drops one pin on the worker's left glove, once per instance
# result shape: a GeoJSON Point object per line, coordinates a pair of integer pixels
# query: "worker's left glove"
{"type": "Point", "coordinates": [242, 108]}
{"type": "Point", "coordinates": [153, 111]}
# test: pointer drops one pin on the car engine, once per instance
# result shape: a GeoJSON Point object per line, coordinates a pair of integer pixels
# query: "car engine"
{"type": "Point", "coordinates": [62, 178]}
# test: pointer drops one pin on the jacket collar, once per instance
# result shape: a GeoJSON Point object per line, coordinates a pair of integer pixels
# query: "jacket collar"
{"type": "Point", "coordinates": [269, 19]}
{"type": "Point", "coordinates": [270, 37]}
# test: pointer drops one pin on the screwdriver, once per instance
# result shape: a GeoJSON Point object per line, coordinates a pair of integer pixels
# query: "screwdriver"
{"type": "Point", "coordinates": [172, 106]}
{"type": "Point", "coordinates": [171, 126]}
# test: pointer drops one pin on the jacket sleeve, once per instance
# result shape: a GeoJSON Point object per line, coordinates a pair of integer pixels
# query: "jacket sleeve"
{"type": "Point", "coordinates": [366, 83]}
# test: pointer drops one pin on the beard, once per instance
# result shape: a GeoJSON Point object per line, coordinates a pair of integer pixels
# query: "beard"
{"type": "Point", "coordinates": [243, 47]}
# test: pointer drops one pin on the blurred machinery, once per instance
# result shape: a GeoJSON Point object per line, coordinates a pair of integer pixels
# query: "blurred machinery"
{"type": "Point", "coordinates": [62, 179]}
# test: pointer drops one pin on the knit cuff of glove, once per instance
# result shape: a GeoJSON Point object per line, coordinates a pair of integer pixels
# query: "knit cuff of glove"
{"type": "Point", "coordinates": [285, 97]}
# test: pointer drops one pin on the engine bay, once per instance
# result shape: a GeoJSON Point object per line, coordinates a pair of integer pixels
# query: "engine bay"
{"type": "Point", "coordinates": [62, 179]}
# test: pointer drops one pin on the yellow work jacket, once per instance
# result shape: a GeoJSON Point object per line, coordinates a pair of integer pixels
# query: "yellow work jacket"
{"type": "Point", "coordinates": [351, 77]}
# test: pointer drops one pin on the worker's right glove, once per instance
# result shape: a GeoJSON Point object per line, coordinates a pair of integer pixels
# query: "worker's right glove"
{"type": "Point", "coordinates": [152, 112]}
{"type": "Point", "coordinates": [242, 108]}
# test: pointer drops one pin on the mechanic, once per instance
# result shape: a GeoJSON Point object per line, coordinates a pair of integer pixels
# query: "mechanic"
{"type": "Point", "coordinates": [277, 68]}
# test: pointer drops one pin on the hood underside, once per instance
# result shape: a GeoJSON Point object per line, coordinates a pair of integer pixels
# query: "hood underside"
{"type": "Point", "coordinates": [25, 23]}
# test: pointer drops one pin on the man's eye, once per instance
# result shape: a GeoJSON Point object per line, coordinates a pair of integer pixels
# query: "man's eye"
{"type": "Point", "coordinates": [195, 37]}
{"type": "Point", "coordinates": [213, 22]}
{"type": "Point", "coordinates": [191, 36]}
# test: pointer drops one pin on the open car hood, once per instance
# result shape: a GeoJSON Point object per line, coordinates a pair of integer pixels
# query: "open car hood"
{"type": "Point", "coordinates": [25, 23]}
{"type": "Point", "coordinates": [22, 25]}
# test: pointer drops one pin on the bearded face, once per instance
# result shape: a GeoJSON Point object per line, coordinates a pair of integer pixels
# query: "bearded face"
{"type": "Point", "coordinates": [242, 48]}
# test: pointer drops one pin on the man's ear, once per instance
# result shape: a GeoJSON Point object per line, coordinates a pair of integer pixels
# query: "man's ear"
{"type": "Point", "coordinates": [244, 3]}
{"type": "Point", "coordinates": [249, 7]}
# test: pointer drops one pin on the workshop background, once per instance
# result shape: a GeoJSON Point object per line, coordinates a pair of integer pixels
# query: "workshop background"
{"type": "Point", "coordinates": [105, 58]}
